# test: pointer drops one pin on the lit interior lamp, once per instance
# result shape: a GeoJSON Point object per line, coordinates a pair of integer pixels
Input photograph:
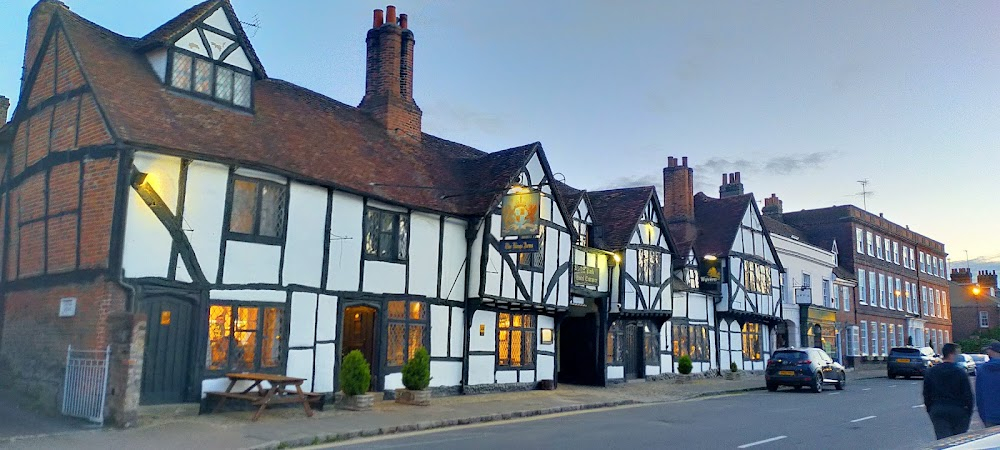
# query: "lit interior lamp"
{"type": "Point", "coordinates": [976, 290]}
{"type": "Point", "coordinates": [618, 259]}
{"type": "Point", "coordinates": [710, 258]}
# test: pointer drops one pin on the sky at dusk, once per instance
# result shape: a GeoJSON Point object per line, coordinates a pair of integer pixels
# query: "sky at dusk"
{"type": "Point", "coordinates": [803, 98]}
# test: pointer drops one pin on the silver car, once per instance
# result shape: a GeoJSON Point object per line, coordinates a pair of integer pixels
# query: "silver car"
{"type": "Point", "coordinates": [980, 359]}
{"type": "Point", "coordinates": [967, 362]}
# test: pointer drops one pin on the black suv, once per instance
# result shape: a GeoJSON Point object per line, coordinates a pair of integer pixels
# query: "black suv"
{"type": "Point", "coordinates": [803, 367]}
{"type": "Point", "coordinates": [909, 361]}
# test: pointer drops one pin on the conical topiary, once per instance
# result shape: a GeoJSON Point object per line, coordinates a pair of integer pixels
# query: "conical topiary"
{"type": "Point", "coordinates": [684, 365]}
{"type": "Point", "coordinates": [355, 374]}
{"type": "Point", "coordinates": [417, 371]}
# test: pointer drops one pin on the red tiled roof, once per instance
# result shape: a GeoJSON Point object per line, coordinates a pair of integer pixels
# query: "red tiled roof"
{"type": "Point", "coordinates": [293, 131]}
{"type": "Point", "coordinates": [616, 212]}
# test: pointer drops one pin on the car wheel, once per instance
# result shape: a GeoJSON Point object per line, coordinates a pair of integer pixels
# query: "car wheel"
{"type": "Point", "coordinates": [817, 382]}
{"type": "Point", "coordinates": [907, 377]}
{"type": "Point", "coordinates": [772, 387]}
{"type": "Point", "coordinates": [798, 387]}
{"type": "Point", "coordinates": [842, 382]}
{"type": "Point", "coordinates": [892, 376]}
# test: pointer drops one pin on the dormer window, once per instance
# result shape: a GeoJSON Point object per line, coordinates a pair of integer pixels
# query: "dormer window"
{"type": "Point", "coordinates": [201, 76]}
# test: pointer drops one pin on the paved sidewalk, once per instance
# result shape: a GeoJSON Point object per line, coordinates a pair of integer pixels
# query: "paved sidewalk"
{"type": "Point", "coordinates": [287, 427]}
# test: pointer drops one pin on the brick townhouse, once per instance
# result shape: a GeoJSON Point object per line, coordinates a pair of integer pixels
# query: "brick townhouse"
{"type": "Point", "coordinates": [902, 289]}
{"type": "Point", "coordinates": [975, 304]}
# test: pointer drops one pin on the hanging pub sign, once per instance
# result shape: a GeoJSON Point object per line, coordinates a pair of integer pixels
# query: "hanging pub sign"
{"type": "Point", "coordinates": [519, 214]}
{"type": "Point", "coordinates": [529, 245]}
{"type": "Point", "coordinates": [711, 273]}
{"type": "Point", "coordinates": [585, 275]}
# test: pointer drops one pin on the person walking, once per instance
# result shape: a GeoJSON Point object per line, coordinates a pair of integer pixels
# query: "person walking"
{"type": "Point", "coordinates": [988, 387]}
{"type": "Point", "coordinates": [948, 395]}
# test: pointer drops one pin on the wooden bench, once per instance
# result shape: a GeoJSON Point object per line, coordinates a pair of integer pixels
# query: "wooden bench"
{"type": "Point", "coordinates": [257, 395]}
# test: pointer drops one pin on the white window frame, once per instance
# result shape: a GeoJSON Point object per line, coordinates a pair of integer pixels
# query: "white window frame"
{"type": "Point", "coordinates": [923, 265]}
{"type": "Point", "coordinates": [923, 300]}
{"type": "Point", "coordinates": [895, 253]}
{"type": "Point", "coordinates": [892, 335]}
{"type": "Point", "coordinates": [909, 300]}
{"type": "Point", "coordinates": [845, 298]}
{"type": "Point", "coordinates": [881, 290]}
{"type": "Point", "coordinates": [834, 296]}
{"type": "Point", "coordinates": [984, 319]}
{"type": "Point", "coordinates": [888, 256]}
{"type": "Point", "coordinates": [871, 243]}
{"type": "Point", "coordinates": [827, 301]}
{"type": "Point", "coordinates": [864, 338]}
{"type": "Point", "coordinates": [898, 293]}
{"type": "Point", "coordinates": [906, 257]}
{"type": "Point", "coordinates": [853, 341]}
{"type": "Point", "coordinates": [860, 234]}
{"type": "Point", "coordinates": [900, 337]}
{"type": "Point", "coordinates": [945, 312]}
{"type": "Point", "coordinates": [878, 248]}
{"type": "Point", "coordinates": [862, 287]}
{"type": "Point", "coordinates": [872, 288]}
{"type": "Point", "coordinates": [883, 339]}
{"type": "Point", "coordinates": [937, 303]}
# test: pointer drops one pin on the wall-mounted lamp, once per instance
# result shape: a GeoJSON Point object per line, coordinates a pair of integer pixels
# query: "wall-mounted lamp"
{"type": "Point", "coordinates": [710, 258]}
{"type": "Point", "coordinates": [482, 329]}
{"type": "Point", "coordinates": [547, 336]}
{"type": "Point", "coordinates": [618, 259]}
{"type": "Point", "coordinates": [138, 178]}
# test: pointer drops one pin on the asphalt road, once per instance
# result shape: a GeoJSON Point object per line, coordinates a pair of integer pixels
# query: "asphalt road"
{"type": "Point", "coordinates": [869, 414]}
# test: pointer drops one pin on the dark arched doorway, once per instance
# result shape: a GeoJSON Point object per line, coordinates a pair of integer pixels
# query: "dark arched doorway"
{"type": "Point", "coordinates": [359, 334]}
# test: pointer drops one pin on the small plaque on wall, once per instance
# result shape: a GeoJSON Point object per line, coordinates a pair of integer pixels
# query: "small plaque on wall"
{"type": "Point", "coordinates": [67, 307]}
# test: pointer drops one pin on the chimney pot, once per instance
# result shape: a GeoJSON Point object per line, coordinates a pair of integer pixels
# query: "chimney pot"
{"type": "Point", "coordinates": [402, 21]}
{"type": "Point", "coordinates": [378, 19]}
{"type": "Point", "coordinates": [685, 161]}
{"type": "Point", "coordinates": [390, 14]}
{"type": "Point", "coordinates": [737, 177]}
{"type": "Point", "coordinates": [4, 107]}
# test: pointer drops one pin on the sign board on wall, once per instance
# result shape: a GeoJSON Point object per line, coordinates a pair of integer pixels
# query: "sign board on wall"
{"type": "Point", "coordinates": [67, 307]}
{"type": "Point", "coordinates": [585, 275]}
{"type": "Point", "coordinates": [711, 273]}
{"type": "Point", "coordinates": [520, 246]}
{"type": "Point", "coordinates": [519, 214]}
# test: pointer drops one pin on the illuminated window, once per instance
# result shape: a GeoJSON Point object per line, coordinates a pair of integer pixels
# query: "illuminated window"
{"type": "Point", "coordinates": [756, 277]}
{"type": "Point", "coordinates": [245, 338]}
{"type": "Point", "coordinates": [690, 340]}
{"type": "Point", "coordinates": [615, 338]}
{"type": "Point", "coordinates": [257, 210]}
{"type": "Point", "coordinates": [649, 267]}
{"type": "Point", "coordinates": [651, 339]}
{"type": "Point", "coordinates": [222, 82]}
{"type": "Point", "coordinates": [751, 341]}
{"type": "Point", "coordinates": [407, 331]}
{"type": "Point", "coordinates": [515, 340]}
{"type": "Point", "coordinates": [387, 235]}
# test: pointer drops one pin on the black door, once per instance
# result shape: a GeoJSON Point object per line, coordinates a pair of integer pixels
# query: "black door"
{"type": "Point", "coordinates": [579, 359]}
{"type": "Point", "coordinates": [359, 334]}
{"type": "Point", "coordinates": [166, 362]}
{"type": "Point", "coordinates": [632, 350]}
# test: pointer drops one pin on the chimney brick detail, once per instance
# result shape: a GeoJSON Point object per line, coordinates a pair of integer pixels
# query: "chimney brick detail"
{"type": "Point", "coordinates": [987, 279]}
{"type": "Point", "coordinates": [731, 185]}
{"type": "Point", "coordinates": [678, 190]}
{"type": "Point", "coordinates": [772, 208]}
{"type": "Point", "coordinates": [4, 107]}
{"type": "Point", "coordinates": [961, 275]}
{"type": "Point", "coordinates": [389, 75]}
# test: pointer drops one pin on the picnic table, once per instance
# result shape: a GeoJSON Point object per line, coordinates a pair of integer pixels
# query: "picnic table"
{"type": "Point", "coordinates": [279, 392]}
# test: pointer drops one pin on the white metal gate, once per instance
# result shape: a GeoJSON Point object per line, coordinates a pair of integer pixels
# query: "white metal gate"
{"type": "Point", "coordinates": [86, 383]}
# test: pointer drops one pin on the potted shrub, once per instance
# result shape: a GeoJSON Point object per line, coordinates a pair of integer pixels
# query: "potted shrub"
{"type": "Point", "coordinates": [355, 377]}
{"type": "Point", "coordinates": [734, 372]}
{"type": "Point", "coordinates": [416, 377]}
{"type": "Point", "coordinates": [684, 366]}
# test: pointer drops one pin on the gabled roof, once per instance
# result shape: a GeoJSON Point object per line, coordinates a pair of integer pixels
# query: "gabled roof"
{"type": "Point", "coordinates": [570, 196]}
{"type": "Point", "coordinates": [293, 131]}
{"type": "Point", "coordinates": [784, 229]}
{"type": "Point", "coordinates": [617, 212]}
{"type": "Point", "coordinates": [717, 221]}
{"type": "Point", "coordinates": [175, 28]}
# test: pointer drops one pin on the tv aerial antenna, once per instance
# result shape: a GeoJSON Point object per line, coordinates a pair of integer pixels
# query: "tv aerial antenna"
{"type": "Point", "coordinates": [253, 23]}
{"type": "Point", "coordinates": [865, 193]}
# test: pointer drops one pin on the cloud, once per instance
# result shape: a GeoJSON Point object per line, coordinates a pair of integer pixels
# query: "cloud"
{"type": "Point", "coordinates": [779, 164]}
{"type": "Point", "coordinates": [633, 181]}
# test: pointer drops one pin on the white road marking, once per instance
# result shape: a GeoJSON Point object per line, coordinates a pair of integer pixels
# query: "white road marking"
{"type": "Point", "coordinates": [866, 389]}
{"type": "Point", "coordinates": [892, 385]}
{"type": "Point", "coordinates": [863, 418]}
{"type": "Point", "coordinates": [834, 393]}
{"type": "Point", "coordinates": [776, 438]}
{"type": "Point", "coordinates": [918, 406]}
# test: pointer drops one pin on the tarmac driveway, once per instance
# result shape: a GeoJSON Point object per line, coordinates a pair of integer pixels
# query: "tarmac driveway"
{"type": "Point", "coordinates": [16, 421]}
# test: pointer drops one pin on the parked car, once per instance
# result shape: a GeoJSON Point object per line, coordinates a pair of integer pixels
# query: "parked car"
{"type": "Point", "coordinates": [979, 359]}
{"type": "Point", "coordinates": [801, 367]}
{"type": "Point", "coordinates": [910, 361]}
{"type": "Point", "coordinates": [966, 361]}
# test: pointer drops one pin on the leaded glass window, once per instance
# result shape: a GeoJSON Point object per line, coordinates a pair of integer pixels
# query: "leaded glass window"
{"type": "Point", "coordinates": [212, 79]}
{"type": "Point", "coordinates": [407, 331]}
{"type": "Point", "coordinates": [257, 210]}
{"type": "Point", "coordinates": [387, 235]}
{"type": "Point", "coordinates": [180, 76]}
{"type": "Point", "coordinates": [751, 341]}
{"type": "Point", "coordinates": [534, 260]}
{"type": "Point", "coordinates": [202, 76]}
{"type": "Point", "coordinates": [649, 267]}
{"type": "Point", "coordinates": [691, 340]}
{"type": "Point", "coordinates": [243, 337]}
{"type": "Point", "coordinates": [224, 84]}
{"type": "Point", "coordinates": [241, 90]}
{"type": "Point", "coordinates": [515, 340]}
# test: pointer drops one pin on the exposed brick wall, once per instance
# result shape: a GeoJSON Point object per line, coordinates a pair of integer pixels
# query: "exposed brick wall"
{"type": "Point", "coordinates": [35, 337]}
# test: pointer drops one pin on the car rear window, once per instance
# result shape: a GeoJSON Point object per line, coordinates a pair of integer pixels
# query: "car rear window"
{"type": "Point", "coordinates": [904, 351]}
{"type": "Point", "coordinates": [787, 356]}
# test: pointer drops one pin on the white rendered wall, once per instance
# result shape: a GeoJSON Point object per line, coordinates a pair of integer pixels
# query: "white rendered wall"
{"type": "Point", "coordinates": [158, 61]}
{"type": "Point", "coordinates": [424, 233]}
{"type": "Point", "coordinates": [251, 263]}
{"type": "Point", "coordinates": [219, 20]}
{"type": "Point", "coordinates": [304, 236]}
{"type": "Point", "coordinates": [346, 239]}
{"type": "Point", "coordinates": [446, 373]}
{"type": "Point", "coordinates": [204, 210]}
{"type": "Point", "coordinates": [439, 330]}
{"type": "Point", "coordinates": [384, 277]}
{"type": "Point", "coordinates": [453, 264]}
{"type": "Point", "coordinates": [147, 242]}
{"type": "Point", "coordinates": [616, 372]}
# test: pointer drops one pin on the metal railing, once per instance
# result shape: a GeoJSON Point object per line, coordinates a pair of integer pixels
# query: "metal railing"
{"type": "Point", "coordinates": [85, 388]}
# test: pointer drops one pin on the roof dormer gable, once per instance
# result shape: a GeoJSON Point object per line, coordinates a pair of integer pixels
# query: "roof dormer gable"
{"type": "Point", "coordinates": [205, 52]}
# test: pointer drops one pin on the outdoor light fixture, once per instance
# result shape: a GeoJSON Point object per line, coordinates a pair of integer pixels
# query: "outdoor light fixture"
{"type": "Point", "coordinates": [618, 259]}
{"type": "Point", "coordinates": [547, 336]}
{"type": "Point", "coordinates": [976, 290]}
{"type": "Point", "coordinates": [138, 178]}
{"type": "Point", "coordinates": [710, 258]}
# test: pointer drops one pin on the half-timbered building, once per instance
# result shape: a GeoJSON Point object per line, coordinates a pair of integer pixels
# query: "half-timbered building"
{"type": "Point", "coordinates": [260, 226]}
{"type": "Point", "coordinates": [736, 260]}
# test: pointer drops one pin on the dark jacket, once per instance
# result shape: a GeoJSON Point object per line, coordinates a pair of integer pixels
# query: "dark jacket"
{"type": "Point", "coordinates": [947, 386]}
{"type": "Point", "coordinates": [988, 391]}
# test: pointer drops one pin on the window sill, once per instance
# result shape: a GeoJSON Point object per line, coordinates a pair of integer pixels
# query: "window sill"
{"type": "Point", "coordinates": [385, 260]}
{"type": "Point", "coordinates": [253, 239]}
{"type": "Point", "coordinates": [532, 367]}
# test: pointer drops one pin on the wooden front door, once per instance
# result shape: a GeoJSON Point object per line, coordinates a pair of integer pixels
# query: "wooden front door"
{"type": "Point", "coordinates": [167, 358]}
{"type": "Point", "coordinates": [359, 334]}
{"type": "Point", "coordinates": [632, 350]}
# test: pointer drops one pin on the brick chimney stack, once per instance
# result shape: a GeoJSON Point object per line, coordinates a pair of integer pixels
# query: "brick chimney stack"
{"type": "Point", "coordinates": [4, 107]}
{"type": "Point", "coordinates": [731, 185]}
{"type": "Point", "coordinates": [389, 75]}
{"type": "Point", "coordinates": [772, 208]}
{"type": "Point", "coordinates": [987, 279]}
{"type": "Point", "coordinates": [678, 191]}
{"type": "Point", "coordinates": [961, 276]}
